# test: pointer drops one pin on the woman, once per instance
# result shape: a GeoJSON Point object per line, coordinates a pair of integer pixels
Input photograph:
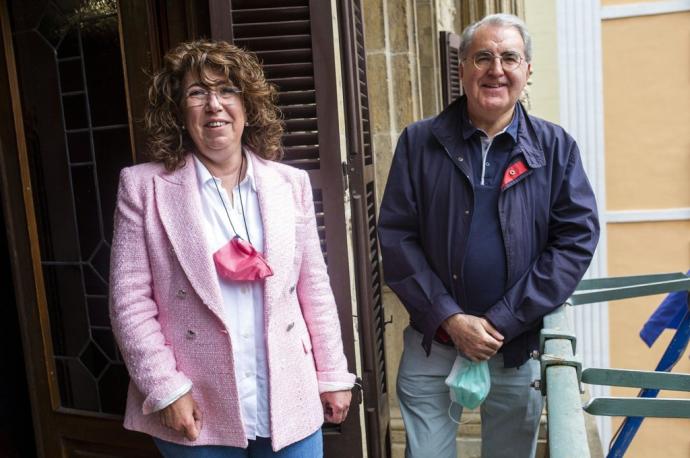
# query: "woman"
{"type": "Point", "coordinates": [220, 300]}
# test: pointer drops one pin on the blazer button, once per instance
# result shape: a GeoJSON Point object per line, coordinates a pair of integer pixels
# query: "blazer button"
{"type": "Point", "coordinates": [181, 294]}
{"type": "Point", "coordinates": [191, 335]}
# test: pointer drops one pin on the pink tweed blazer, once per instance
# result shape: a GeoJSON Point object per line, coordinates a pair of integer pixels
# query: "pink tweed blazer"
{"type": "Point", "coordinates": [165, 305]}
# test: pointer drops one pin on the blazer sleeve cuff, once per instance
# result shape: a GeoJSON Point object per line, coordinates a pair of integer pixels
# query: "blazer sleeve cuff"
{"type": "Point", "coordinates": [161, 395]}
{"type": "Point", "coordinates": [340, 380]}
{"type": "Point", "coordinates": [173, 397]}
{"type": "Point", "coordinates": [325, 387]}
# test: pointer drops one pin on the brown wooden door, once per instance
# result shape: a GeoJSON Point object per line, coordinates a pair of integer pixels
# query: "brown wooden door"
{"type": "Point", "coordinates": [75, 79]}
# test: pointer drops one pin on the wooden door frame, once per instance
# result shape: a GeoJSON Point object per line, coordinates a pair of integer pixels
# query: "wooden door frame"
{"type": "Point", "coordinates": [13, 173]}
{"type": "Point", "coordinates": [55, 427]}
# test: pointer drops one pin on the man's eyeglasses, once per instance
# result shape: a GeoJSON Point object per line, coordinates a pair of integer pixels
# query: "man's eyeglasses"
{"type": "Point", "coordinates": [226, 94]}
{"type": "Point", "coordinates": [509, 60]}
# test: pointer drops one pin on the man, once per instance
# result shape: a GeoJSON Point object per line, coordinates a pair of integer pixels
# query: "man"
{"type": "Point", "coordinates": [487, 224]}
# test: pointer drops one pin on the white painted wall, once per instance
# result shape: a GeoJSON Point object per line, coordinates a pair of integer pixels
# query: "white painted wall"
{"type": "Point", "coordinates": [544, 91]}
{"type": "Point", "coordinates": [567, 88]}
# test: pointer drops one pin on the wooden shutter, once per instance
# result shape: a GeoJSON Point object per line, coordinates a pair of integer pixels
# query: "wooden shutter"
{"type": "Point", "coordinates": [450, 66]}
{"type": "Point", "coordinates": [294, 41]}
{"type": "Point", "coordinates": [362, 190]}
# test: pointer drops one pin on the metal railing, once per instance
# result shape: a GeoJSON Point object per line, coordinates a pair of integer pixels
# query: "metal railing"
{"type": "Point", "coordinates": [562, 374]}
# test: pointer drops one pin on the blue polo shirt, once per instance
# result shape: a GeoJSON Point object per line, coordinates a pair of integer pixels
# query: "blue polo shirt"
{"type": "Point", "coordinates": [484, 272]}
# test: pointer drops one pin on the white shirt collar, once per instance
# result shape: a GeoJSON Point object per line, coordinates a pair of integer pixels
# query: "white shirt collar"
{"type": "Point", "coordinates": [204, 176]}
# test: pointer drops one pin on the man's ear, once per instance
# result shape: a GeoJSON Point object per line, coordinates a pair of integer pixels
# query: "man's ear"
{"type": "Point", "coordinates": [461, 68]}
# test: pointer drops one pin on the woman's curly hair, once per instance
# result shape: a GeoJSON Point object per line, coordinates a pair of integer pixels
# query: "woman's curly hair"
{"type": "Point", "coordinates": [168, 141]}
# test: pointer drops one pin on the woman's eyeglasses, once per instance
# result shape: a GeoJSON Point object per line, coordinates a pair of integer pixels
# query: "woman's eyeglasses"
{"type": "Point", "coordinates": [226, 95]}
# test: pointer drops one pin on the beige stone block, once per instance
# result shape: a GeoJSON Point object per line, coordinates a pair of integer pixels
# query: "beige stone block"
{"type": "Point", "coordinates": [384, 148]}
{"type": "Point", "coordinates": [447, 15]}
{"type": "Point", "coordinates": [399, 29]}
{"type": "Point", "coordinates": [428, 60]}
{"type": "Point", "coordinates": [469, 447]}
{"type": "Point", "coordinates": [430, 86]}
{"type": "Point", "coordinates": [425, 31]}
{"type": "Point", "coordinates": [383, 151]}
{"type": "Point", "coordinates": [374, 24]}
{"type": "Point", "coordinates": [398, 450]}
{"type": "Point", "coordinates": [403, 91]}
{"type": "Point", "coordinates": [377, 85]}
{"type": "Point", "coordinates": [425, 18]}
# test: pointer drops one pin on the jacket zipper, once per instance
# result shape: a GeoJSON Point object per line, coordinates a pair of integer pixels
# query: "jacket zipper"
{"type": "Point", "coordinates": [466, 232]}
{"type": "Point", "coordinates": [502, 222]}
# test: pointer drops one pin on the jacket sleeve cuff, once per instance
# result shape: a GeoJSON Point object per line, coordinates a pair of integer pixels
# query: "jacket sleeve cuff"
{"type": "Point", "coordinates": [445, 307]}
{"type": "Point", "coordinates": [184, 389]}
{"type": "Point", "coordinates": [164, 392]}
{"type": "Point", "coordinates": [325, 387]}
{"type": "Point", "coordinates": [501, 317]}
{"type": "Point", "coordinates": [339, 380]}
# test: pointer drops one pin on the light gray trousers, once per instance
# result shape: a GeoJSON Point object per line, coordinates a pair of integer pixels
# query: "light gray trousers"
{"type": "Point", "coordinates": [510, 413]}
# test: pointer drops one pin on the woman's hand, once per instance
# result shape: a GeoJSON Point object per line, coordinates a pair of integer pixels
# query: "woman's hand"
{"type": "Point", "coordinates": [335, 405]}
{"type": "Point", "coordinates": [183, 416]}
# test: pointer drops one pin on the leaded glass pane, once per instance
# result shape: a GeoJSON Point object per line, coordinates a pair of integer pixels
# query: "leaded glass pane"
{"type": "Point", "coordinates": [69, 65]}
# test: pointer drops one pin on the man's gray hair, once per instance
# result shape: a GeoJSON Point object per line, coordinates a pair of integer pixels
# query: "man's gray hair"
{"type": "Point", "coordinates": [500, 20]}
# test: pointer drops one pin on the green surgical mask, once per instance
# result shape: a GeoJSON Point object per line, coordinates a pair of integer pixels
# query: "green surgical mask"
{"type": "Point", "coordinates": [468, 383]}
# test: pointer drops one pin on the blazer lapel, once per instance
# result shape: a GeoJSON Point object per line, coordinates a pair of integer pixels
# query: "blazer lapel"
{"type": "Point", "coordinates": [277, 206]}
{"type": "Point", "coordinates": [179, 208]}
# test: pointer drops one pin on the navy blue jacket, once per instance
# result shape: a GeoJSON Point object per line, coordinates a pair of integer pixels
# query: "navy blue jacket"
{"type": "Point", "coordinates": [547, 213]}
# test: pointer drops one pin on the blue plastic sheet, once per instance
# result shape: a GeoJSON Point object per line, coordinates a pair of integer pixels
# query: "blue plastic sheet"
{"type": "Point", "coordinates": [668, 315]}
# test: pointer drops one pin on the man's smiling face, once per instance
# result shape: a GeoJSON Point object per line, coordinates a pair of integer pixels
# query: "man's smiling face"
{"type": "Point", "coordinates": [492, 92]}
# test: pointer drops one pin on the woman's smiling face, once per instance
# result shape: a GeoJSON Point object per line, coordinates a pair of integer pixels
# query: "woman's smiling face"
{"type": "Point", "coordinates": [216, 124]}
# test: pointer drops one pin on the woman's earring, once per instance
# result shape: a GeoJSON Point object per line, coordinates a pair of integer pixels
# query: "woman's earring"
{"type": "Point", "coordinates": [246, 124]}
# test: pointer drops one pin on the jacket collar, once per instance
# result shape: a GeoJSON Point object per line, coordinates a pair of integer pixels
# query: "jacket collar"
{"type": "Point", "coordinates": [447, 128]}
{"type": "Point", "coordinates": [179, 207]}
{"type": "Point", "coordinates": [468, 129]}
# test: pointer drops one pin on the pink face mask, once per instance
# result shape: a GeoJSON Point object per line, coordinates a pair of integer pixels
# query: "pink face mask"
{"type": "Point", "coordinates": [238, 260]}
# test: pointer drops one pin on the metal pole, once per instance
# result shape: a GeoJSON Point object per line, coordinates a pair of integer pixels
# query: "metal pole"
{"type": "Point", "coordinates": [566, 421]}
